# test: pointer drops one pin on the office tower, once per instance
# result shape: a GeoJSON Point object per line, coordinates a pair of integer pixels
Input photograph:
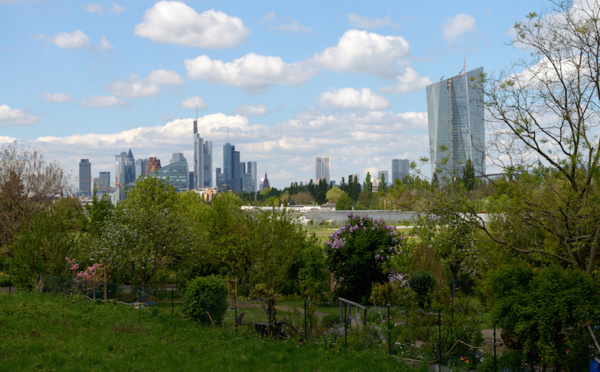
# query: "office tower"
{"type": "Point", "coordinates": [120, 168]}
{"type": "Point", "coordinates": [236, 181]}
{"type": "Point", "coordinates": [456, 124]}
{"type": "Point", "coordinates": [104, 182]}
{"type": "Point", "coordinates": [220, 178]}
{"type": "Point", "coordinates": [140, 167]}
{"type": "Point", "coordinates": [153, 164]}
{"type": "Point", "coordinates": [176, 173]}
{"type": "Point", "coordinates": [191, 180]}
{"type": "Point", "coordinates": [202, 160]}
{"type": "Point", "coordinates": [85, 177]}
{"type": "Point", "coordinates": [228, 151]}
{"type": "Point", "coordinates": [266, 184]}
{"type": "Point", "coordinates": [385, 174]}
{"type": "Point", "coordinates": [129, 168]}
{"type": "Point", "coordinates": [322, 169]}
{"type": "Point", "coordinates": [400, 169]}
{"type": "Point", "coordinates": [250, 177]}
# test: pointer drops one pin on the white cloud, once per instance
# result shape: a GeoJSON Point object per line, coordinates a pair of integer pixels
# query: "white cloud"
{"type": "Point", "coordinates": [252, 72]}
{"type": "Point", "coordinates": [105, 44]}
{"type": "Point", "coordinates": [73, 40]}
{"type": "Point", "coordinates": [292, 26]}
{"type": "Point", "coordinates": [408, 82]}
{"type": "Point", "coordinates": [457, 26]}
{"type": "Point", "coordinates": [251, 110]}
{"type": "Point", "coordinates": [7, 139]}
{"type": "Point", "coordinates": [350, 98]}
{"type": "Point", "coordinates": [136, 87]}
{"type": "Point", "coordinates": [93, 8]}
{"type": "Point", "coordinates": [365, 53]}
{"type": "Point", "coordinates": [56, 97]}
{"type": "Point", "coordinates": [101, 101]}
{"type": "Point", "coordinates": [176, 22]}
{"type": "Point", "coordinates": [366, 22]}
{"type": "Point", "coordinates": [268, 17]}
{"type": "Point", "coordinates": [194, 102]}
{"type": "Point", "coordinates": [16, 117]}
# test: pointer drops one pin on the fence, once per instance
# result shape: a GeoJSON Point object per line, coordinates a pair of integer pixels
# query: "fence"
{"type": "Point", "coordinates": [450, 337]}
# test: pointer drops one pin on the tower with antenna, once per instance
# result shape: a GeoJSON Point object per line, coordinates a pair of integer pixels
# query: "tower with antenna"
{"type": "Point", "coordinates": [202, 159]}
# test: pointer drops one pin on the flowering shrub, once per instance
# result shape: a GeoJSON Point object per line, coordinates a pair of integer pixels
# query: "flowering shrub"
{"type": "Point", "coordinates": [357, 254]}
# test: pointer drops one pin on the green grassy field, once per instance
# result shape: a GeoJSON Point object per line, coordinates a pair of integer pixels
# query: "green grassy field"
{"type": "Point", "coordinates": [54, 332]}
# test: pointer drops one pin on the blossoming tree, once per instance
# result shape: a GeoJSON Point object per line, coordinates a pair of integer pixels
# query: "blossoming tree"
{"type": "Point", "coordinates": [357, 254]}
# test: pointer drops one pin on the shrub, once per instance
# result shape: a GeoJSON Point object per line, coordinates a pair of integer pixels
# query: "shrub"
{"type": "Point", "coordinates": [422, 283]}
{"type": "Point", "coordinates": [206, 295]}
{"type": "Point", "coordinates": [329, 321]}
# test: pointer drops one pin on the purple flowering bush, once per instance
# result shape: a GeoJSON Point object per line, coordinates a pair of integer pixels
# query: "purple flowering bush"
{"type": "Point", "coordinates": [357, 254]}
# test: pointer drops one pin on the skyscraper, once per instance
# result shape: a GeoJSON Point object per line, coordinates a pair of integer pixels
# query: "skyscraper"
{"type": "Point", "coordinates": [399, 169]}
{"type": "Point", "coordinates": [250, 177]}
{"type": "Point", "coordinates": [322, 168]}
{"type": "Point", "coordinates": [176, 173]}
{"type": "Point", "coordinates": [202, 160]}
{"type": "Point", "coordinates": [140, 167]}
{"type": "Point", "coordinates": [120, 168]}
{"type": "Point", "coordinates": [153, 165]}
{"type": "Point", "coordinates": [104, 182]}
{"type": "Point", "coordinates": [85, 177]}
{"type": "Point", "coordinates": [456, 124]}
{"type": "Point", "coordinates": [129, 168]}
{"type": "Point", "coordinates": [125, 167]}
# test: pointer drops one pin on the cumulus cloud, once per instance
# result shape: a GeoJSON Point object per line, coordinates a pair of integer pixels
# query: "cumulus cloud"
{"type": "Point", "coordinates": [252, 72]}
{"type": "Point", "coordinates": [73, 40]}
{"type": "Point", "coordinates": [366, 53]}
{"type": "Point", "coordinates": [15, 117]}
{"type": "Point", "coordinates": [136, 87]}
{"type": "Point", "coordinates": [105, 44]}
{"type": "Point", "coordinates": [101, 101]}
{"type": "Point", "coordinates": [350, 98]}
{"type": "Point", "coordinates": [194, 102]}
{"type": "Point", "coordinates": [458, 26]}
{"type": "Point", "coordinates": [407, 82]}
{"type": "Point", "coordinates": [176, 22]}
{"type": "Point", "coordinates": [252, 110]}
{"type": "Point", "coordinates": [56, 97]}
{"type": "Point", "coordinates": [366, 22]}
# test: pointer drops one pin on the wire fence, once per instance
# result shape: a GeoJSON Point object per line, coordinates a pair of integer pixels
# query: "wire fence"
{"type": "Point", "coordinates": [450, 338]}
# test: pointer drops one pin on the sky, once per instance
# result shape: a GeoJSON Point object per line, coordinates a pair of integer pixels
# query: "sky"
{"type": "Point", "coordinates": [282, 81]}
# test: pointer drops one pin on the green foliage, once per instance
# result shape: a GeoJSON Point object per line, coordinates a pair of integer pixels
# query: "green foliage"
{"type": "Point", "coordinates": [344, 203]}
{"type": "Point", "coordinates": [329, 321]}
{"type": "Point", "coordinates": [422, 283]}
{"type": "Point", "coordinates": [334, 194]}
{"type": "Point", "coordinates": [542, 312]}
{"type": "Point", "coordinates": [206, 299]}
{"type": "Point", "coordinates": [357, 254]}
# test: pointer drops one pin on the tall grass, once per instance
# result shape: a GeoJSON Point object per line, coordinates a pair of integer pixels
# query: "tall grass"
{"type": "Point", "coordinates": [55, 332]}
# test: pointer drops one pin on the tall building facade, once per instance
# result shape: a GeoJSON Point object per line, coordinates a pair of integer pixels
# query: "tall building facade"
{"type": "Point", "coordinates": [85, 177]}
{"type": "Point", "coordinates": [153, 165]}
{"type": "Point", "coordinates": [456, 124]}
{"type": "Point", "coordinates": [176, 173]}
{"type": "Point", "coordinates": [202, 160]}
{"type": "Point", "coordinates": [140, 167]}
{"type": "Point", "coordinates": [250, 177]}
{"type": "Point", "coordinates": [322, 168]}
{"type": "Point", "coordinates": [400, 169]}
{"type": "Point", "coordinates": [125, 167]}
{"type": "Point", "coordinates": [104, 182]}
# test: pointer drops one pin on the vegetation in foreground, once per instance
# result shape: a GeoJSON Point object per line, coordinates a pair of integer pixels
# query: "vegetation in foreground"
{"type": "Point", "coordinates": [53, 332]}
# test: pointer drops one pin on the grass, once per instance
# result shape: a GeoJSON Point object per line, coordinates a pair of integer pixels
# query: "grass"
{"type": "Point", "coordinates": [55, 332]}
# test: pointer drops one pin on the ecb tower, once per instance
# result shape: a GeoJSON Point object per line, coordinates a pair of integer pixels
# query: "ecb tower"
{"type": "Point", "coordinates": [456, 124]}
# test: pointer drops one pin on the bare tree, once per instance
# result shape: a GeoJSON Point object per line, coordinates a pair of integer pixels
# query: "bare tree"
{"type": "Point", "coordinates": [27, 184]}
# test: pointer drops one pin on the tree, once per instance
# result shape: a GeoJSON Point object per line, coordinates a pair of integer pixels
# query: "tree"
{"type": "Point", "coordinates": [334, 194]}
{"type": "Point", "coordinates": [344, 203]}
{"type": "Point", "coordinates": [544, 114]}
{"type": "Point", "coordinates": [357, 254]}
{"type": "Point", "coordinates": [147, 232]}
{"type": "Point", "coordinates": [382, 189]}
{"type": "Point", "coordinates": [468, 177]}
{"type": "Point", "coordinates": [27, 184]}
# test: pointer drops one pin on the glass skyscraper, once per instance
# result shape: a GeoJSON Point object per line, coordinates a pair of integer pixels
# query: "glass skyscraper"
{"type": "Point", "coordinates": [85, 177]}
{"type": "Point", "coordinates": [322, 168]}
{"type": "Point", "coordinates": [456, 124]}
{"type": "Point", "coordinates": [400, 169]}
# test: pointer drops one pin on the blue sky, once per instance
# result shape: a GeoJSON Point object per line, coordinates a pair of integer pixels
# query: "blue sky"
{"type": "Point", "coordinates": [286, 81]}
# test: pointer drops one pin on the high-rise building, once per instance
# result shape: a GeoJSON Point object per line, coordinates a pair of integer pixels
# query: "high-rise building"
{"type": "Point", "coordinates": [236, 181]}
{"type": "Point", "coordinates": [85, 177]}
{"type": "Point", "coordinates": [322, 168]}
{"type": "Point", "coordinates": [129, 168]}
{"type": "Point", "coordinates": [140, 167]}
{"type": "Point", "coordinates": [153, 165]}
{"type": "Point", "coordinates": [232, 168]}
{"type": "Point", "coordinates": [125, 167]}
{"type": "Point", "coordinates": [104, 182]}
{"type": "Point", "coordinates": [202, 160]}
{"type": "Point", "coordinates": [176, 173]}
{"type": "Point", "coordinates": [456, 124]}
{"type": "Point", "coordinates": [250, 177]}
{"type": "Point", "coordinates": [120, 168]}
{"type": "Point", "coordinates": [400, 169]}
{"type": "Point", "coordinates": [266, 184]}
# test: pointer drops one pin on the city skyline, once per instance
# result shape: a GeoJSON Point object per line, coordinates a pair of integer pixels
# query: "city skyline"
{"type": "Point", "coordinates": [91, 80]}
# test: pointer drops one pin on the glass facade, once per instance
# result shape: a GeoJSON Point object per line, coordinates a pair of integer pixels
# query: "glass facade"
{"type": "Point", "coordinates": [399, 169]}
{"type": "Point", "coordinates": [85, 177]}
{"type": "Point", "coordinates": [176, 173]}
{"type": "Point", "coordinates": [322, 168]}
{"type": "Point", "coordinates": [456, 124]}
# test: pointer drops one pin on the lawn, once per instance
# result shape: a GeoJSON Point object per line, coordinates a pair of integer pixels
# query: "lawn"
{"type": "Point", "coordinates": [55, 332]}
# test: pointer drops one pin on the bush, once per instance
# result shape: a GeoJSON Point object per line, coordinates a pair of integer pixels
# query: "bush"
{"type": "Point", "coordinates": [206, 295]}
{"type": "Point", "coordinates": [422, 283]}
{"type": "Point", "coordinates": [329, 321]}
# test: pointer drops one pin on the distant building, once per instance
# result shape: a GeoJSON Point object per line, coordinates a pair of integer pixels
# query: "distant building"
{"type": "Point", "coordinates": [455, 112]}
{"type": "Point", "coordinates": [85, 177]}
{"type": "Point", "coordinates": [140, 167]}
{"type": "Point", "coordinates": [175, 173]}
{"type": "Point", "coordinates": [153, 164]}
{"type": "Point", "coordinates": [385, 175]}
{"type": "Point", "coordinates": [191, 180]}
{"type": "Point", "coordinates": [400, 169]}
{"type": "Point", "coordinates": [104, 186]}
{"type": "Point", "coordinates": [266, 184]}
{"type": "Point", "coordinates": [250, 177]}
{"type": "Point", "coordinates": [322, 168]}
{"type": "Point", "coordinates": [125, 167]}
{"type": "Point", "coordinates": [202, 160]}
